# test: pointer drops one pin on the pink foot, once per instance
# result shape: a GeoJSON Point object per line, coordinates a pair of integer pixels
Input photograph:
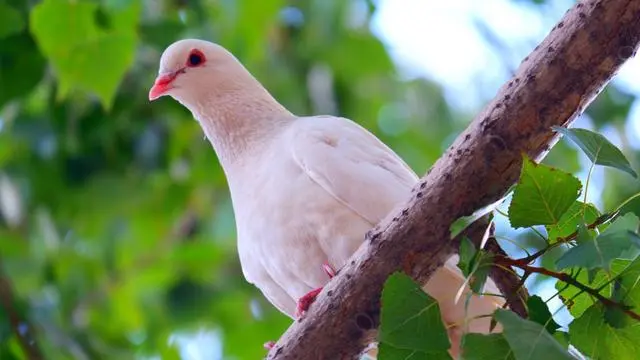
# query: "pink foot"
{"type": "Point", "coordinates": [269, 345]}
{"type": "Point", "coordinates": [308, 299]}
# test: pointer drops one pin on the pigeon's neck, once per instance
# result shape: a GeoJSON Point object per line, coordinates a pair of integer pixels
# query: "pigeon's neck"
{"type": "Point", "coordinates": [240, 123]}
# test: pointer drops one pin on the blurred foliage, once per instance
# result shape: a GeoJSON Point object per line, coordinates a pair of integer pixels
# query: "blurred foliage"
{"type": "Point", "coordinates": [116, 230]}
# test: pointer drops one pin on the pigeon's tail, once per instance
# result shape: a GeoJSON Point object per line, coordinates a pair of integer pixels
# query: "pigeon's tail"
{"type": "Point", "coordinates": [461, 311]}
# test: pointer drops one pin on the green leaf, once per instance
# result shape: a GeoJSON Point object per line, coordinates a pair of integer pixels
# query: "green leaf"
{"type": "Point", "coordinates": [349, 68]}
{"type": "Point", "coordinates": [626, 225]}
{"type": "Point", "coordinates": [388, 352]}
{"type": "Point", "coordinates": [562, 338]}
{"type": "Point", "coordinates": [586, 246]}
{"type": "Point", "coordinates": [409, 316]}
{"type": "Point", "coordinates": [626, 222]}
{"type": "Point", "coordinates": [86, 53]}
{"type": "Point", "coordinates": [460, 224]}
{"type": "Point", "coordinates": [22, 66]}
{"type": "Point", "coordinates": [539, 312]}
{"type": "Point", "coordinates": [542, 195]}
{"type": "Point", "coordinates": [466, 253]}
{"type": "Point", "coordinates": [599, 150]}
{"type": "Point", "coordinates": [578, 213]}
{"type": "Point", "coordinates": [162, 33]}
{"type": "Point", "coordinates": [599, 252]}
{"type": "Point", "coordinates": [629, 271]}
{"type": "Point", "coordinates": [615, 315]}
{"type": "Point", "coordinates": [255, 18]}
{"type": "Point", "coordinates": [591, 275]}
{"type": "Point", "coordinates": [597, 340]}
{"type": "Point", "coordinates": [480, 271]}
{"type": "Point", "coordinates": [11, 21]}
{"type": "Point", "coordinates": [529, 340]}
{"type": "Point", "coordinates": [611, 107]}
{"type": "Point", "coordinates": [475, 264]}
{"type": "Point", "coordinates": [486, 347]}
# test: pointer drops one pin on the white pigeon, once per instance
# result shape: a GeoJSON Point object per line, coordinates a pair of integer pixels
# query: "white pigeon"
{"type": "Point", "coordinates": [304, 190]}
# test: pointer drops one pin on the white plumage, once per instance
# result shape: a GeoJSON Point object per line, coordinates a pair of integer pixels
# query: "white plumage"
{"type": "Point", "coordinates": [305, 190]}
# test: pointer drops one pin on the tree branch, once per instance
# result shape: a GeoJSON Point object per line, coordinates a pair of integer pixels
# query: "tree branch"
{"type": "Point", "coordinates": [509, 283]}
{"type": "Point", "coordinates": [564, 277]}
{"type": "Point", "coordinates": [552, 86]}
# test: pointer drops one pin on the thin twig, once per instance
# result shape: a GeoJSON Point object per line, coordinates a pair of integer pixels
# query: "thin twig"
{"type": "Point", "coordinates": [568, 279]}
{"type": "Point", "coordinates": [563, 240]}
{"type": "Point", "coordinates": [508, 281]}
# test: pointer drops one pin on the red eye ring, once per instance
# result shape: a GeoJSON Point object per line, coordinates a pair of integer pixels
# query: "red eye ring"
{"type": "Point", "coordinates": [195, 58]}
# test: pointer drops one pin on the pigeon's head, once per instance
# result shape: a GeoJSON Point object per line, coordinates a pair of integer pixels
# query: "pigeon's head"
{"type": "Point", "coordinates": [189, 67]}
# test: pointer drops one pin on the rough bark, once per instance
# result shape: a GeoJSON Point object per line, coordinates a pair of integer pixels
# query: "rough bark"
{"type": "Point", "coordinates": [552, 86]}
{"type": "Point", "coordinates": [508, 282]}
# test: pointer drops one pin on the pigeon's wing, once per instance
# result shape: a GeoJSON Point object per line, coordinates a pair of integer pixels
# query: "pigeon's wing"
{"type": "Point", "coordinates": [362, 173]}
{"type": "Point", "coordinates": [352, 165]}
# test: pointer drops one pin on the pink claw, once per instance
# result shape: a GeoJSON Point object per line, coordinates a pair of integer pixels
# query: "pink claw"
{"type": "Point", "coordinates": [328, 270]}
{"type": "Point", "coordinates": [308, 299]}
{"type": "Point", "coordinates": [269, 345]}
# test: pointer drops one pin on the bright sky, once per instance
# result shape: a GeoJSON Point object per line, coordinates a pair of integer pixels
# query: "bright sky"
{"type": "Point", "coordinates": [439, 39]}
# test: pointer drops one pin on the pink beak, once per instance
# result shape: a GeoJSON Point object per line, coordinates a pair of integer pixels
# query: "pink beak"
{"type": "Point", "coordinates": [163, 84]}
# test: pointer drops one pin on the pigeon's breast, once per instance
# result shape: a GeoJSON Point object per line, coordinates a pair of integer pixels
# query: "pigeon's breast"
{"type": "Point", "coordinates": [288, 226]}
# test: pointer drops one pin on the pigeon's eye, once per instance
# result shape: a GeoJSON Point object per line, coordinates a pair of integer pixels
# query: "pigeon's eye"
{"type": "Point", "coordinates": [196, 58]}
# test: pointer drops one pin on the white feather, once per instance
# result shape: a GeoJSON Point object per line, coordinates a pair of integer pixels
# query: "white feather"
{"type": "Point", "coordinates": [304, 190]}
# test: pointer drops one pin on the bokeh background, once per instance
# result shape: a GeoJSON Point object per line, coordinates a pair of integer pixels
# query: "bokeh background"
{"type": "Point", "coordinates": [117, 237]}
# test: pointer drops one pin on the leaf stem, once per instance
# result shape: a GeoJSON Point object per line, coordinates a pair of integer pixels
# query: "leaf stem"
{"type": "Point", "coordinates": [586, 186]}
{"type": "Point", "coordinates": [501, 212]}
{"type": "Point", "coordinates": [599, 221]}
{"type": "Point", "coordinates": [514, 243]}
{"type": "Point", "coordinates": [537, 232]}
{"type": "Point", "coordinates": [631, 198]}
